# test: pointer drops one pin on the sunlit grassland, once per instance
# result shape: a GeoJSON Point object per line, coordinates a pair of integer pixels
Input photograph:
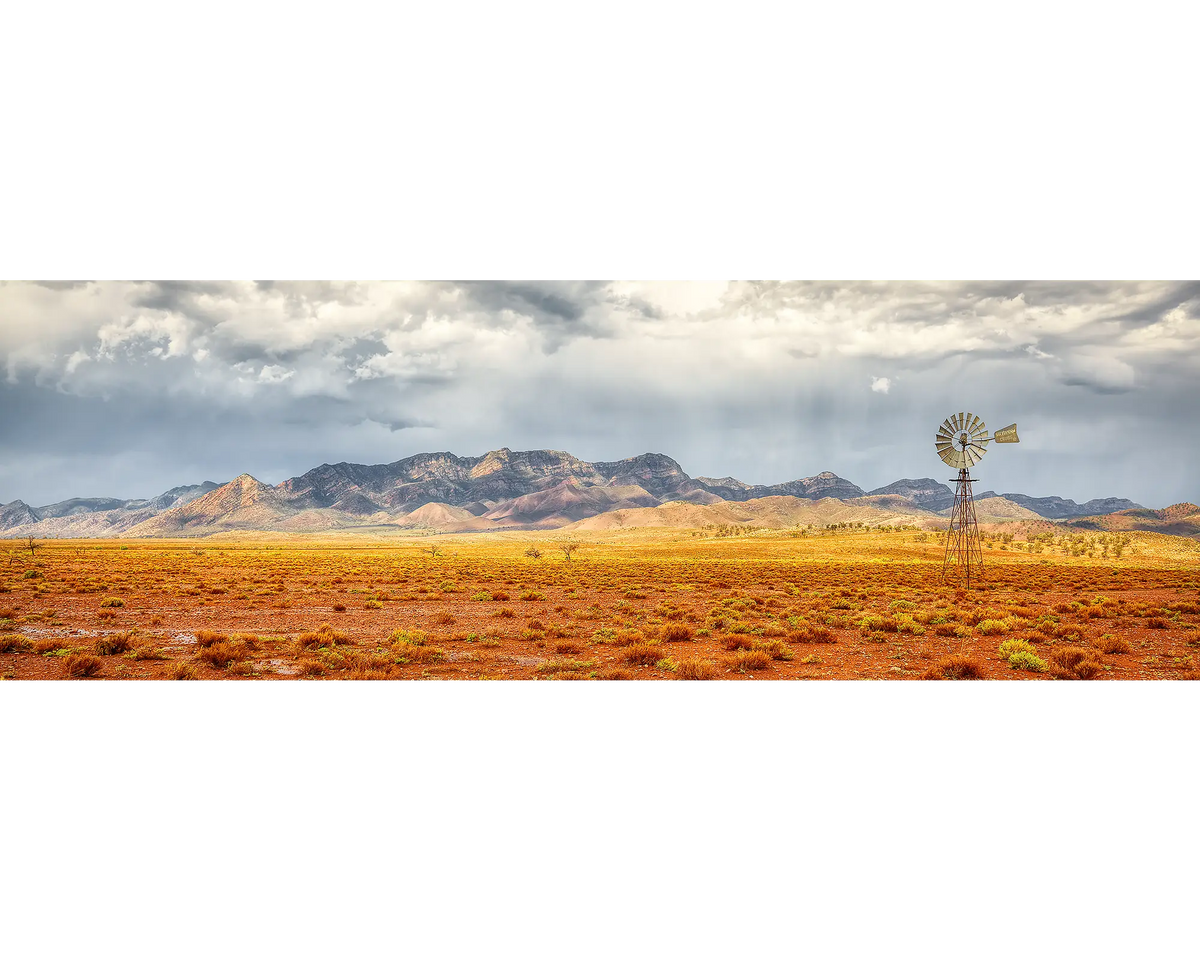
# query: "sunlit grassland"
{"type": "Point", "coordinates": [656, 604]}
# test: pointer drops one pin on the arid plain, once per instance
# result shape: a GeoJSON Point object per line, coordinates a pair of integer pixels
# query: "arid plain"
{"type": "Point", "coordinates": [842, 603]}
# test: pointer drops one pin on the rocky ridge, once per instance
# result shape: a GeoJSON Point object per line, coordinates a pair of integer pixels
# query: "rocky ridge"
{"type": "Point", "coordinates": [502, 489]}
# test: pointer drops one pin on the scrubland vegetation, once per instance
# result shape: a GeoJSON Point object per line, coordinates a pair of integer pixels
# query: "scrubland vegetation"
{"type": "Point", "coordinates": [844, 602]}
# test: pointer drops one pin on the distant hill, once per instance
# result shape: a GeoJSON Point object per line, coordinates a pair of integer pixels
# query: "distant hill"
{"type": "Point", "coordinates": [506, 489]}
{"type": "Point", "coordinates": [1180, 519]}
{"type": "Point", "coordinates": [95, 517]}
{"type": "Point", "coordinates": [996, 509]}
{"type": "Point", "coordinates": [776, 512]}
{"type": "Point", "coordinates": [926, 493]}
{"type": "Point", "coordinates": [1056, 508]}
{"type": "Point", "coordinates": [242, 504]}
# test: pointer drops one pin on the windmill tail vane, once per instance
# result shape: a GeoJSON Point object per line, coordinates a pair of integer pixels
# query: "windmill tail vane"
{"type": "Point", "coordinates": [961, 442]}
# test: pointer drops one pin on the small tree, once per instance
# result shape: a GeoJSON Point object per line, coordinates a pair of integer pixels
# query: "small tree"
{"type": "Point", "coordinates": [433, 550]}
{"type": "Point", "coordinates": [31, 544]}
{"type": "Point", "coordinates": [568, 547]}
{"type": "Point", "coordinates": [533, 551]}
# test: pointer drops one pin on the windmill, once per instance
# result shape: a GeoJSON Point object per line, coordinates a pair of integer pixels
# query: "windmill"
{"type": "Point", "coordinates": [961, 443]}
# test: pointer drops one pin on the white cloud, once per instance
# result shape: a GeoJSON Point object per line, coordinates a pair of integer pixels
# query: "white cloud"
{"type": "Point", "coordinates": [274, 373]}
{"type": "Point", "coordinates": [881, 384]}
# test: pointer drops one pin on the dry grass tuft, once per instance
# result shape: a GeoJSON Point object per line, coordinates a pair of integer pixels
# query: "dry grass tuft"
{"type": "Point", "coordinates": [147, 652]}
{"type": "Point", "coordinates": [11, 643]}
{"type": "Point", "coordinates": [676, 633]}
{"type": "Point", "coordinates": [616, 673]}
{"type": "Point", "coordinates": [751, 660]}
{"type": "Point", "coordinates": [323, 636]}
{"type": "Point", "coordinates": [775, 649]}
{"type": "Point", "coordinates": [811, 633]}
{"type": "Point", "coordinates": [222, 654]}
{"type": "Point", "coordinates": [181, 671]}
{"type": "Point", "coordinates": [422, 654]}
{"type": "Point", "coordinates": [1111, 644]}
{"type": "Point", "coordinates": [114, 643]}
{"type": "Point", "coordinates": [643, 654]}
{"type": "Point", "coordinates": [206, 638]}
{"type": "Point", "coordinates": [570, 675]}
{"type": "Point", "coordinates": [956, 667]}
{"type": "Point", "coordinates": [369, 673]}
{"type": "Point", "coordinates": [696, 669]}
{"type": "Point", "coordinates": [80, 665]}
{"type": "Point", "coordinates": [1074, 663]}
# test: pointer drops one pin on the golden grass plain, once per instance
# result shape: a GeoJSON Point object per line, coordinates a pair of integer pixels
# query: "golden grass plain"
{"type": "Point", "coordinates": [852, 603]}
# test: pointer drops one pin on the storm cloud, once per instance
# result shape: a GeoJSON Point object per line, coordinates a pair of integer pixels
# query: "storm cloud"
{"type": "Point", "coordinates": [128, 388]}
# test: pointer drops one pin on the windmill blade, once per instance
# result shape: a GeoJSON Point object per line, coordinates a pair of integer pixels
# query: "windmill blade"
{"type": "Point", "coordinates": [962, 418]}
{"type": "Point", "coordinates": [972, 423]}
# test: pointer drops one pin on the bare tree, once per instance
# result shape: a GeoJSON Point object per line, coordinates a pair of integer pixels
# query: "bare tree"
{"type": "Point", "coordinates": [433, 550]}
{"type": "Point", "coordinates": [568, 547]}
{"type": "Point", "coordinates": [533, 551]}
{"type": "Point", "coordinates": [32, 545]}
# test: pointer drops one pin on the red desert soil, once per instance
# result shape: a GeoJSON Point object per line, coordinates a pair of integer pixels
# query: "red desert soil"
{"type": "Point", "coordinates": [857, 604]}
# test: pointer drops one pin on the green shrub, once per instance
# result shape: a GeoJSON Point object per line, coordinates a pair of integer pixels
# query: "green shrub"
{"type": "Point", "coordinates": [1027, 660]}
{"type": "Point", "coordinates": [1015, 645]}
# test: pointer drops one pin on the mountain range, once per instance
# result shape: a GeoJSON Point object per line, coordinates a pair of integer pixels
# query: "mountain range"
{"type": "Point", "coordinates": [537, 489]}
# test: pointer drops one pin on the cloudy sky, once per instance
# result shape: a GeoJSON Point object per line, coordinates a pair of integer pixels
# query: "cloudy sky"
{"type": "Point", "coordinates": [127, 389]}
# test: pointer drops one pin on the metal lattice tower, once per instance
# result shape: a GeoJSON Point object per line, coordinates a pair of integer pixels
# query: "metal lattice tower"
{"type": "Point", "coordinates": [961, 442]}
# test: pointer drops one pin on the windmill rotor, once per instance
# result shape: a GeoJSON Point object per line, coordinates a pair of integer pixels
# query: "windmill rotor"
{"type": "Point", "coordinates": [962, 440]}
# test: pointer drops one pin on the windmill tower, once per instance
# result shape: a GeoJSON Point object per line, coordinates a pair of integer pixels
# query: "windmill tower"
{"type": "Point", "coordinates": [961, 443]}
